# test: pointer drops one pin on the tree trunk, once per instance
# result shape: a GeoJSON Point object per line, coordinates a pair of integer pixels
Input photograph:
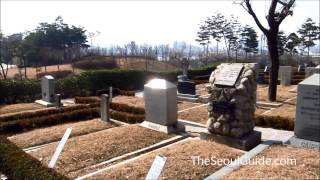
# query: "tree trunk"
{"type": "Point", "coordinates": [274, 57]}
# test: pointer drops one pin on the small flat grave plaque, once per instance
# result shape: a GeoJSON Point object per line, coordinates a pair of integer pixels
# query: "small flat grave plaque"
{"type": "Point", "coordinates": [229, 75]}
{"type": "Point", "coordinates": [156, 168]}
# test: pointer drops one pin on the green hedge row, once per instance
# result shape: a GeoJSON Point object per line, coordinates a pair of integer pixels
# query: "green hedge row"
{"type": "Point", "coordinates": [88, 83]}
{"type": "Point", "coordinates": [16, 164]}
{"type": "Point", "coordinates": [114, 106]}
{"type": "Point", "coordinates": [21, 125]}
{"type": "Point", "coordinates": [276, 122]}
{"type": "Point", "coordinates": [39, 113]}
{"type": "Point", "coordinates": [126, 117]}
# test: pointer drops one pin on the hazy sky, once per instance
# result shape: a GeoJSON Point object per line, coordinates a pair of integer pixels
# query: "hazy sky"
{"type": "Point", "coordinates": [151, 22]}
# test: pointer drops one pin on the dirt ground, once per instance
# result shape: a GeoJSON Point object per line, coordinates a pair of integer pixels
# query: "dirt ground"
{"type": "Point", "coordinates": [201, 89]}
{"type": "Point", "coordinates": [90, 149]}
{"type": "Point", "coordinates": [31, 72]}
{"type": "Point", "coordinates": [181, 161]}
{"type": "Point", "coordinates": [307, 165]}
{"type": "Point", "coordinates": [198, 114]}
{"type": "Point", "coordinates": [55, 133]}
{"type": "Point", "coordinates": [15, 108]}
{"type": "Point", "coordinates": [139, 102]}
{"type": "Point", "coordinates": [286, 110]}
{"type": "Point", "coordinates": [283, 93]}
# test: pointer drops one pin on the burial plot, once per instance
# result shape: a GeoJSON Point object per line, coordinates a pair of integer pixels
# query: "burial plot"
{"type": "Point", "coordinates": [285, 74]}
{"type": "Point", "coordinates": [232, 105]}
{"type": "Point", "coordinates": [312, 70]}
{"type": "Point", "coordinates": [307, 124]}
{"type": "Point", "coordinates": [48, 91]}
{"type": "Point", "coordinates": [160, 106]}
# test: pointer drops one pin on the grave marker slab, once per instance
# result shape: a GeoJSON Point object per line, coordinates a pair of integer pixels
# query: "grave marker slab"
{"type": "Point", "coordinates": [229, 75]}
{"type": "Point", "coordinates": [160, 106]}
{"type": "Point", "coordinates": [104, 107]}
{"type": "Point", "coordinates": [285, 73]}
{"type": "Point", "coordinates": [48, 91]}
{"type": "Point", "coordinates": [156, 168]}
{"type": "Point", "coordinates": [307, 124]}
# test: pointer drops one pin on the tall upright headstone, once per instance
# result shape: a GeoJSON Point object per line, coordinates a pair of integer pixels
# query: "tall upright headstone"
{"type": "Point", "coordinates": [47, 91]}
{"type": "Point", "coordinates": [47, 88]}
{"type": "Point", "coordinates": [307, 124]}
{"type": "Point", "coordinates": [104, 107]}
{"type": "Point", "coordinates": [285, 74]}
{"type": "Point", "coordinates": [160, 105]}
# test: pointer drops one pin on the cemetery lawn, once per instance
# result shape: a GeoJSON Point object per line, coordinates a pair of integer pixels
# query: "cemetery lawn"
{"type": "Point", "coordinates": [201, 89]}
{"type": "Point", "coordinates": [286, 111]}
{"type": "Point", "coordinates": [54, 133]}
{"type": "Point", "coordinates": [198, 114]}
{"type": "Point", "coordinates": [16, 108]}
{"type": "Point", "coordinates": [139, 102]}
{"type": "Point", "coordinates": [307, 165]}
{"type": "Point", "coordinates": [283, 93]}
{"type": "Point", "coordinates": [179, 164]}
{"type": "Point", "coordinates": [90, 149]}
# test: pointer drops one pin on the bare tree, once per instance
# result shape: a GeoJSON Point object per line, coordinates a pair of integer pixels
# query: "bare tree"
{"type": "Point", "coordinates": [274, 18]}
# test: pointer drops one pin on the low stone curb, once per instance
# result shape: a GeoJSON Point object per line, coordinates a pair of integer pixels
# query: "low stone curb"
{"type": "Point", "coordinates": [235, 165]}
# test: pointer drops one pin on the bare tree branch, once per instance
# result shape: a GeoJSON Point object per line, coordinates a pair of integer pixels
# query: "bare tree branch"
{"type": "Point", "coordinates": [251, 12]}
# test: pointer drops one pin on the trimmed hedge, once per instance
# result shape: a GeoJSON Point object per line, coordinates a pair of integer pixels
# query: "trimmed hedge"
{"type": "Point", "coordinates": [39, 113]}
{"type": "Point", "coordinates": [88, 83]}
{"type": "Point", "coordinates": [101, 63]}
{"type": "Point", "coordinates": [276, 122]}
{"type": "Point", "coordinates": [126, 117]}
{"type": "Point", "coordinates": [16, 164]}
{"type": "Point", "coordinates": [114, 106]}
{"type": "Point", "coordinates": [21, 125]}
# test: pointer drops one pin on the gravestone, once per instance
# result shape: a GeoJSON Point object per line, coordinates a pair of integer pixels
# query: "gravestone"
{"type": "Point", "coordinates": [307, 124]}
{"type": "Point", "coordinates": [104, 107]}
{"type": "Point", "coordinates": [311, 70]}
{"type": "Point", "coordinates": [231, 106]}
{"type": "Point", "coordinates": [301, 68]}
{"type": "Point", "coordinates": [57, 102]}
{"type": "Point", "coordinates": [185, 86]}
{"type": "Point", "coordinates": [285, 74]}
{"type": "Point", "coordinates": [160, 106]}
{"type": "Point", "coordinates": [48, 91]}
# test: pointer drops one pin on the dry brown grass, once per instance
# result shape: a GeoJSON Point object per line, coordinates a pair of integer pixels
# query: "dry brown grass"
{"type": "Point", "coordinates": [307, 165]}
{"type": "Point", "coordinates": [201, 89]}
{"type": "Point", "coordinates": [283, 93]}
{"type": "Point", "coordinates": [198, 114]}
{"type": "Point", "coordinates": [139, 64]}
{"type": "Point", "coordinates": [179, 164]}
{"type": "Point", "coordinates": [55, 133]}
{"type": "Point", "coordinates": [93, 148]}
{"type": "Point", "coordinates": [16, 108]}
{"type": "Point", "coordinates": [31, 72]}
{"type": "Point", "coordinates": [139, 102]}
{"type": "Point", "coordinates": [286, 111]}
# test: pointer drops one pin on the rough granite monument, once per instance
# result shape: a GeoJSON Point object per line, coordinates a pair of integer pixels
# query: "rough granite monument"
{"type": "Point", "coordinates": [232, 105]}
{"type": "Point", "coordinates": [160, 106]}
{"type": "Point", "coordinates": [48, 91]}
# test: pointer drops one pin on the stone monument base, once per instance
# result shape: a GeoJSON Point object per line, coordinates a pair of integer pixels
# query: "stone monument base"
{"type": "Point", "coordinates": [162, 128]}
{"type": "Point", "coordinates": [297, 142]}
{"type": "Point", "coordinates": [188, 97]}
{"type": "Point", "coordinates": [44, 103]}
{"type": "Point", "coordinates": [245, 143]}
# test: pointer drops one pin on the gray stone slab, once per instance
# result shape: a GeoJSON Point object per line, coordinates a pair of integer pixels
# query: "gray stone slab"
{"type": "Point", "coordinates": [163, 128]}
{"type": "Point", "coordinates": [245, 143]}
{"type": "Point", "coordinates": [160, 102]}
{"type": "Point", "coordinates": [268, 104]}
{"type": "Point", "coordinates": [303, 143]}
{"type": "Point", "coordinates": [104, 107]}
{"type": "Point", "coordinates": [307, 124]}
{"type": "Point", "coordinates": [47, 89]}
{"type": "Point", "coordinates": [285, 74]}
{"type": "Point", "coordinates": [229, 75]}
{"type": "Point", "coordinates": [44, 103]}
{"type": "Point", "coordinates": [156, 168]}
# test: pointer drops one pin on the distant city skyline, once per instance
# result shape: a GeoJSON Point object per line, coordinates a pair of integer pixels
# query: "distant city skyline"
{"type": "Point", "coordinates": [145, 22]}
